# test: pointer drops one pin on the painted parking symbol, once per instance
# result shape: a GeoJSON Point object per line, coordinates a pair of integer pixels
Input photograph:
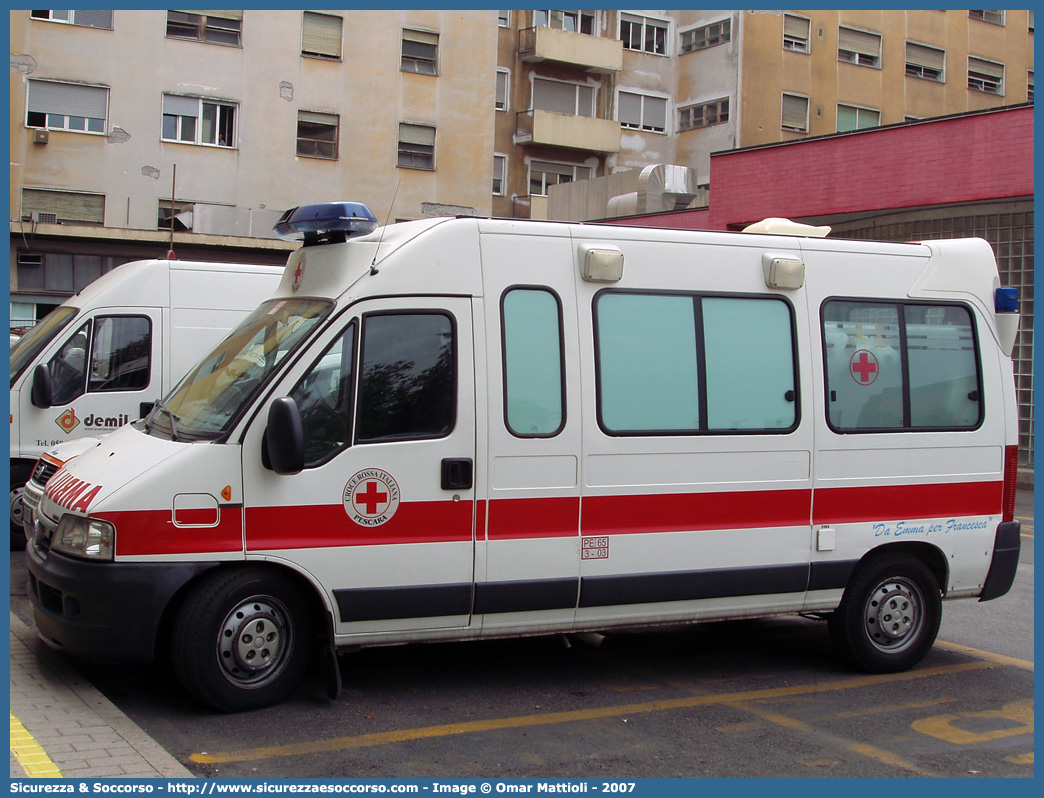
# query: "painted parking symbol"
{"type": "Point", "coordinates": [864, 367]}
{"type": "Point", "coordinates": [371, 497]}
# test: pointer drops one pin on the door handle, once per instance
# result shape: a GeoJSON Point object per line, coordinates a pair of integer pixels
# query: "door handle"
{"type": "Point", "coordinates": [457, 473]}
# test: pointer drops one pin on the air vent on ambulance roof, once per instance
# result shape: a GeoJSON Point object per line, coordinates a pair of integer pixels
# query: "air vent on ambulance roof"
{"type": "Point", "coordinates": [326, 223]}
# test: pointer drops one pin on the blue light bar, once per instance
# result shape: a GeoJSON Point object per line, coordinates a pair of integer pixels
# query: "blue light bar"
{"type": "Point", "coordinates": [325, 223]}
{"type": "Point", "coordinates": [1006, 300]}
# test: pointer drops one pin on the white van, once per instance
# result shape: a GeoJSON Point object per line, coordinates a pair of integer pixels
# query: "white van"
{"type": "Point", "coordinates": [140, 327]}
{"type": "Point", "coordinates": [468, 428]}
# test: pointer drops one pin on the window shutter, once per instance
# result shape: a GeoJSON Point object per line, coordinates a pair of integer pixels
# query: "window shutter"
{"type": "Point", "coordinates": [630, 111]}
{"type": "Point", "coordinates": [316, 118]}
{"type": "Point", "coordinates": [927, 57]}
{"type": "Point", "coordinates": [551, 96]}
{"type": "Point", "coordinates": [795, 26]}
{"type": "Point", "coordinates": [322, 34]}
{"type": "Point", "coordinates": [420, 36]}
{"type": "Point", "coordinates": [236, 15]}
{"type": "Point", "coordinates": [93, 18]}
{"type": "Point", "coordinates": [858, 41]}
{"type": "Point", "coordinates": [177, 105]}
{"type": "Point", "coordinates": [66, 205]}
{"type": "Point", "coordinates": [655, 113]}
{"type": "Point", "coordinates": [795, 112]}
{"type": "Point", "coordinates": [987, 68]}
{"type": "Point", "coordinates": [67, 98]}
{"type": "Point", "coordinates": [416, 134]}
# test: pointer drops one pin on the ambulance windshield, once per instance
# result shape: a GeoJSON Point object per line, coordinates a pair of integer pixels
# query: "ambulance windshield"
{"type": "Point", "coordinates": [205, 402]}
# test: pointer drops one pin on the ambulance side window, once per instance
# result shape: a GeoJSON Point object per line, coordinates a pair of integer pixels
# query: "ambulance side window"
{"type": "Point", "coordinates": [534, 393]}
{"type": "Point", "coordinates": [900, 366]}
{"type": "Point", "coordinates": [678, 364]}
{"type": "Point", "coordinates": [121, 355]}
{"type": "Point", "coordinates": [110, 353]}
{"type": "Point", "coordinates": [407, 377]}
{"type": "Point", "coordinates": [324, 399]}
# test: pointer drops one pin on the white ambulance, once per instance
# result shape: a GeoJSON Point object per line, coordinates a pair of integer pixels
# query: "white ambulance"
{"type": "Point", "coordinates": [468, 428]}
{"type": "Point", "coordinates": [122, 342]}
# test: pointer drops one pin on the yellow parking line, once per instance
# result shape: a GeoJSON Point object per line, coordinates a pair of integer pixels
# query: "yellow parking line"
{"type": "Point", "coordinates": [496, 724]}
{"type": "Point", "coordinates": [30, 755]}
{"type": "Point", "coordinates": [856, 747]}
{"type": "Point", "coordinates": [988, 656]}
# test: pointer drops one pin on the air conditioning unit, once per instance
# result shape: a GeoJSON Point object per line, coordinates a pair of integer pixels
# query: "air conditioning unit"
{"type": "Point", "coordinates": [43, 217]}
{"type": "Point", "coordinates": [41, 136]}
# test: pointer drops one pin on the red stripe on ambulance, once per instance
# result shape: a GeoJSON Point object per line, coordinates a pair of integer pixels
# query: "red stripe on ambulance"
{"type": "Point", "coordinates": [308, 527]}
{"type": "Point", "coordinates": [681, 512]}
{"type": "Point", "coordinates": [141, 532]}
{"type": "Point", "coordinates": [891, 502]}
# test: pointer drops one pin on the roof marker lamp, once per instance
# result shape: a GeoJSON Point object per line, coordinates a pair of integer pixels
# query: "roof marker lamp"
{"type": "Point", "coordinates": [326, 223]}
{"type": "Point", "coordinates": [1006, 305]}
{"type": "Point", "coordinates": [1006, 300]}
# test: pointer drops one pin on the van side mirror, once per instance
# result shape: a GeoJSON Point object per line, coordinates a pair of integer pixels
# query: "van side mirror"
{"type": "Point", "coordinates": [42, 393]}
{"type": "Point", "coordinates": [283, 445]}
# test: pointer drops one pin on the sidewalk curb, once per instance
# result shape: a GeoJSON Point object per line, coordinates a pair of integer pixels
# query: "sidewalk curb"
{"type": "Point", "coordinates": [53, 702]}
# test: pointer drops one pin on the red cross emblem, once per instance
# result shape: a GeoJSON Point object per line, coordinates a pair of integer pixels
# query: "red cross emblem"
{"type": "Point", "coordinates": [298, 274]}
{"type": "Point", "coordinates": [864, 367]}
{"type": "Point", "coordinates": [371, 497]}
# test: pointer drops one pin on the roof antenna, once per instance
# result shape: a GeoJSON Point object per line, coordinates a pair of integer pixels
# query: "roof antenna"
{"type": "Point", "coordinates": [373, 267]}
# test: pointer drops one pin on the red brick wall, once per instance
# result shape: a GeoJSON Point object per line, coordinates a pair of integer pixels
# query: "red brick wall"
{"type": "Point", "coordinates": [967, 158]}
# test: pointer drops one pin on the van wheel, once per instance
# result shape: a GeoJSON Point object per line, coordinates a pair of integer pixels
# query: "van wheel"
{"type": "Point", "coordinates": [889, 614]}
{"type": "Point", "coordinates": [242, 639]}
{"type": "Point", "coordinates": [20, 474]}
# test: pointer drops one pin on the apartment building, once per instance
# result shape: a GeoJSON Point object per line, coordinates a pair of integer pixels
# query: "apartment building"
{"type": "Point", "coordinates": [128, 125]}
{"type": "Point", "coordinates": [671, 87]}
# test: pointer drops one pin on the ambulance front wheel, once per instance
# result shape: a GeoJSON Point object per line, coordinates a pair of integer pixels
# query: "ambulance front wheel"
{"type": "Point", "coordinates": [242, 639]}
{"type": "Point", "coordinates": [889, 614]}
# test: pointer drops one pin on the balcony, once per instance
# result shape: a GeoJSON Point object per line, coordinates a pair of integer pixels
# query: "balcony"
{"type": "Point", "coordinates": [551, 129]}
{"type": "Point", "coordinates": [590, 53]}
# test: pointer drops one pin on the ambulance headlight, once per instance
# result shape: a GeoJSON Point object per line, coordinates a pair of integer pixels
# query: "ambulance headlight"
{"type": "Point", "coordinates": [88, 538]}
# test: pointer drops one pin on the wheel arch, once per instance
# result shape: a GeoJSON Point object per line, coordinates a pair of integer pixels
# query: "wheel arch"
{"type": "Point", "coordinates": [307, 586]}
{"type": "Point", "coordinates": [932, 556]}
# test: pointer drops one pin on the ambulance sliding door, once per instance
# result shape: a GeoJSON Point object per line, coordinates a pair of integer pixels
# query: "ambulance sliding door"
{"type": "Point", "coordinates": [697, 460]}
{"type": "Point", "coordinates": [382, 514]}
{"type": "Point", "coordinates": [529, 548]}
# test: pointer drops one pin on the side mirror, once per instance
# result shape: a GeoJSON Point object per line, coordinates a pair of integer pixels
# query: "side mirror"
{"type": "Point", "coordinates": [42, 393]}
{"type": "Point", "coordinates": [283, 443]}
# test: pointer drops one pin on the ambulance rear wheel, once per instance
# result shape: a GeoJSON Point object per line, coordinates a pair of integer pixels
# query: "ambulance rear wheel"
{"type": "Point", "coordinates": [242, 639]}
{"type": "Point", "coordinates": [889, 614]}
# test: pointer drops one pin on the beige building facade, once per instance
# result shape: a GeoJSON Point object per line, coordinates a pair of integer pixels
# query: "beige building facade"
{"type": "Point", "coordinates": [239, 115]}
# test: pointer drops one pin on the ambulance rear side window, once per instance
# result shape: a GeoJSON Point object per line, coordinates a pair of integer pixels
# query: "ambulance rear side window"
{"type": "Point", "coordinates": [900, 366]}
{"type": "Point", "coordinates": [534, 393]}
{"type": "Point", "coordinates": [407, 377]}
{"type": "Point", "coordinates": [676, 364]}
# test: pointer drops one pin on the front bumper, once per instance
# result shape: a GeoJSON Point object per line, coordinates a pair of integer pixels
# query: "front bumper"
{"type": "Point", "coordinates": [31, 496]}
{"type": "Point", "coordinates": [103, 611]}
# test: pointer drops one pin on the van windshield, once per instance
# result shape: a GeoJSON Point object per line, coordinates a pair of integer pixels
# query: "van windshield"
{"type": "Point", "coordinates": [211, 396]}
{"type": "Point", "coordinates": [32, 343]}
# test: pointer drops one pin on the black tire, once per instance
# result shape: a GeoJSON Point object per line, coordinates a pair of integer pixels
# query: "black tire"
{"type": "Point", "coordinates": [889, 614]}
{"type": "Point", "coordinates": [20, 473]}
{"type": "Point", "coordinates": [242, 639]}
